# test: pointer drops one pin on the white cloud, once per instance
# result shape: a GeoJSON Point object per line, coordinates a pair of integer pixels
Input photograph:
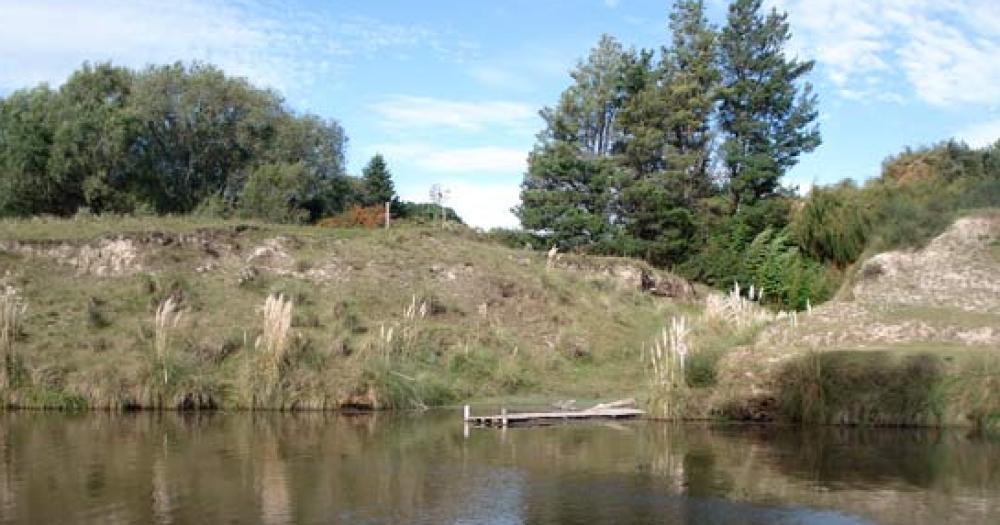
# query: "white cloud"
{"type": "Point", "coordinates": [425, 112]}
{"type": "Point", "coordinates": [469, 161]}
{"type": "Point", "coordinates": [272, 44]}
{"type": "Point", "coordinates": [942, 51]}
{"type": "Point", "coordinates": [981, 134]}
{"type": "Point", "coordinates": [498, 77]}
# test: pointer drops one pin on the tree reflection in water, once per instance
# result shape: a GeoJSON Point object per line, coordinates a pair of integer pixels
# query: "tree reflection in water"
{"type": "Point", "coordinates": [420, 468]}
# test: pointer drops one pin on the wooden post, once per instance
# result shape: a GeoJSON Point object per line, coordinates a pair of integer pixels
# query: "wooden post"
{"type": "Point", "coordinates": [466, 415]}
{"type": "Point", "coordinates": [503, 417]}
{"type": "Point", "coordinates": [388, 216]}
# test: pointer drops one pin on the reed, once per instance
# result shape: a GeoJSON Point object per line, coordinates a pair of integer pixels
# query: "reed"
{"type": "Point", "coordinates": [668, 353]}
{"type": "Point", "coordinates": [168, 316]}
{"type": "Point", "coordinates": [667, 358]}
{"type": "Point", "coordinates": [400, 337]}
{"type": "Point", "coordinates": [262, 375]}
{"type": "Point", "coordinates": [733, 308]}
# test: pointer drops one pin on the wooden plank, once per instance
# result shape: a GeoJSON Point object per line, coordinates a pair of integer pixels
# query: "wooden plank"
{"type": "Point", "coordinates": [509, 418]}
{"type": "Point", "coordinates": [623, 403]}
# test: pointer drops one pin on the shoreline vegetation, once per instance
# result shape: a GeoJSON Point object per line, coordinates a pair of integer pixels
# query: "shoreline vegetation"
{"type": "Point", "coordinates": [175, 238]}
{"type": "Point", "coordinates": [174, 314]}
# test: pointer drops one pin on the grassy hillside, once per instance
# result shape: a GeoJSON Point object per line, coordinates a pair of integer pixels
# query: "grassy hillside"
{"type": "Point", "coordinates": [913, 339]}
{"type": "Point", "coordinates": [175, 313]}
{"type": "Point", "coordinates": [398, 318]}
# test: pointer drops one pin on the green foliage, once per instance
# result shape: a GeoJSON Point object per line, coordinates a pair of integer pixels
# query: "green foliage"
{"type": "Point", "coordinates": [516, 238]}
{"type": "Point", "coordinates": [378, 186]}
{"type": "Point", "coordinates": [775, 267]}
{"type": "Point", "coordinates": [701, 369]}
{"type": "Point", "coordinates": [623, 164]}
{"type": "Point", "coordinates": [766, 121]}
{"type": "Point", "coordinates": [274, 192]}
{"type": "Point", "coordinates": [867, 388]}
{"type": "Point", "coordinates": [833, 224]}
{"type": "Point", "coordinates": [27, 122]}
{"type": "Point", "coordinates": [423, 212]}
{"type": "Point", "coordinates": [919, 194]}
{"type": "Point", "coordinates": [755, 247]}
{"type": "Point", "coordinates": [566, 195]}
{"type": "Point", "coordinates": [166, 139]}
{"type": "Point", "coordinates": [661, 229]}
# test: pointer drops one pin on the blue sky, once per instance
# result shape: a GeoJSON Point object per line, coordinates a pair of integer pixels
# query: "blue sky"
{"type": "Point", "coordinates": [449, 90]}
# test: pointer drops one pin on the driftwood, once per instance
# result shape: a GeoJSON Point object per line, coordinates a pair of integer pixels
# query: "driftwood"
{"type": "Point", "coordinates": [621, 403]}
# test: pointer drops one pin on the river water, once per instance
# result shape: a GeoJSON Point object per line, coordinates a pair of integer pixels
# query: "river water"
{"type": "Point", "coordinates": [424, 468]}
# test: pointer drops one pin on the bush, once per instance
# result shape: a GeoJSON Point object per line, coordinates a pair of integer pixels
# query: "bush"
{"type": "Point", "coordinates": [701, 369]}
{"type": "Point", "coordinates": [513, 238]}
{"type": "Point", "coordinates": [356, 217]}
{"type": "Point", "coordinates": [787, 279]}
{"type": "Point", "coordinates": [423, 212]}
{"type": "Point", "coordinates": [277, 193]}
{"type": "Point", "coordinates": [832, 225]}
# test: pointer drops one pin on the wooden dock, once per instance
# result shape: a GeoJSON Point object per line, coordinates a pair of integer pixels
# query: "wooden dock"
{"type": "Point", "coordinates": [617, 410]}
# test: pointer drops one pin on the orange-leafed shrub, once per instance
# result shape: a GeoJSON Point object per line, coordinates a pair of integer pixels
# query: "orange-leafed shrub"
{"type": "Point", "coordinates": [356, 216]}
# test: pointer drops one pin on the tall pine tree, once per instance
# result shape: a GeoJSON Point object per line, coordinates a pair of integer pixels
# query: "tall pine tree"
{"type": "Point", "coordinates": [667, 140]}
{"type": "Point", "coordinates": [378, 186]}
{"type": "Point", "coordinates": [766, 119]}
{"type": "Point", "coordinates": [570, 175]}
{"type": "Point", "coordinates": [691, 83]}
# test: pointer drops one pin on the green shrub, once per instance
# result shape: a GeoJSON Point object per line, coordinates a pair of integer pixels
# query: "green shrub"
{"type": "Point", "coordinates": [701, 369]}
{"type": "Point", "coordinates": [833, 224]}
{"type": "Point", "coordinates": [277, 192]}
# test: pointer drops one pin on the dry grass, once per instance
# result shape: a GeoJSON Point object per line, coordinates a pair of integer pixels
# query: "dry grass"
{"type": "Point", "coordinates": [271, 346]}
{"type": "Point", "coordinates": [168, 316]}
{"type": "Point", "coordinates": [668, 353]}
{"type": "Point", "coordinates": [735, 309]}
{"type": "Point", "coordinates": [667, 358]}
{"type": "Point", "coordinates": [459, 317]}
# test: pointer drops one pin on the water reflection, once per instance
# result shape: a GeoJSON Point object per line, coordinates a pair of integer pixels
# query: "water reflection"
{"type": "Point", "coordinates": [408, 468]}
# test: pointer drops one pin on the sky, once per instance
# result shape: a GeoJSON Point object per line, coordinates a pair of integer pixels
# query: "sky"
{"type": "Point", "coordinates": [449, 90]}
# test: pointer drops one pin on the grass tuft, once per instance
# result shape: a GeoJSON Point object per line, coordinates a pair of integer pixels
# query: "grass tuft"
{"type": "Point", "coordinates": [262, 372]}
{"type": "Point", "coordinates": [168, 316]}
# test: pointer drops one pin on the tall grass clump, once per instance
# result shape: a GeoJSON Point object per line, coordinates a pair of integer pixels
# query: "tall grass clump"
{"type": "Point", "coordinates": [263, 367]}
{"type": "Point", "coordinates": [833, 224]}
{"type": "Point", "coordinates": [735, 309]}
{"type": "Point", "coordinates": [868, 387]}
{"type": "Point", "coordinates": [12, 310]}
{"type": "Point", "coordinates": [666, 360]}
{"type": "Point", "coordinates": [168, 316]}
{"type": "Point", "coordinates": [272, 344]}
{"type": "Point", "coordinates": [392, 365]}
{"type": "Point", "coordinates": [401, 337]}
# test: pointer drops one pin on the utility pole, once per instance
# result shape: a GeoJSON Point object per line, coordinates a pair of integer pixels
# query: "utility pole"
{"type": "Point", "coordinates": [439, 195]}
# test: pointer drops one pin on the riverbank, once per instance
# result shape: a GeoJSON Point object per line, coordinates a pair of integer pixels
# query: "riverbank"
{"type": "Point", "coordinates": [913, 339]}
{"type": "Point", "coordinates": [181, 313]}
{"type": "Point", "coordinates": [170, 313]}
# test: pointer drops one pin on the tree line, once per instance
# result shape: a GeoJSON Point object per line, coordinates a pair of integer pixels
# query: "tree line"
{"type": "Point", "coordinates": [677, 155]}
{"type": "Point", "coordinates": [174, 139]}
